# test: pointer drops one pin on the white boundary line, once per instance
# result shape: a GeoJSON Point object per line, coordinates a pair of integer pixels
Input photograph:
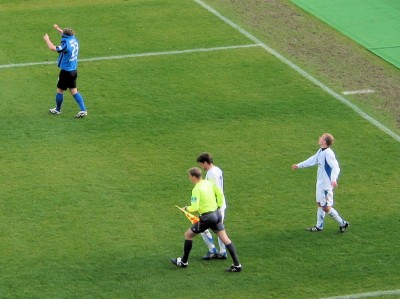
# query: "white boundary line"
{"type": "Point", "coordinates": [367, 295]}
{"type": "Point", "coordinates": [15, 65]}
{"type": "Point", "coordinates": [363, 91]}
{"type": "Point", "coordinates": [301, 71]}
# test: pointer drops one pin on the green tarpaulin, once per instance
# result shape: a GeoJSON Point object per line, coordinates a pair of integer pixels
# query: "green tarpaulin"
{"type": "Point", "coordinates": [375, 24]}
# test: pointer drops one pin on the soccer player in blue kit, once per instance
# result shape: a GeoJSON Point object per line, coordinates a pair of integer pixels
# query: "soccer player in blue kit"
{"type": "Point", "coordinates": [68, 63]}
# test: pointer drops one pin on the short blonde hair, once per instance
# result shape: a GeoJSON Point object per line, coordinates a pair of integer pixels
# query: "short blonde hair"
{"type": "Point", "coordinates": [328, 138]}
{"type": "Point", "coordinates": [195, 171]}
{"type": "Point", "coordinates": [68, 32]}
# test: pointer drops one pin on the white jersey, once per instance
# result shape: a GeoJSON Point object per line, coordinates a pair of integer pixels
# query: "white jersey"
{"type": "Point", "coordinates": [214, 174]}
{"type": "Point", "coordinates": [328, 167]}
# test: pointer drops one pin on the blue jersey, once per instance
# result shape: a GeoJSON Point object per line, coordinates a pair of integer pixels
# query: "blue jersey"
{"type": "Point", "coordinates": [68, 53]}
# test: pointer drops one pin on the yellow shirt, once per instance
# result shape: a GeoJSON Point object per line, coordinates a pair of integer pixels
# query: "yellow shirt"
{"type": "Point", "coordinates": [206, 197]}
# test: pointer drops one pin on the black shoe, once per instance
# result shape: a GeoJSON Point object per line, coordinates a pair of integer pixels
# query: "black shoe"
{"type": "Point", "coordinates": [234, 268]}
{"type": "Point", "coordinates": [178, 262]}
{"type": "Point", "coordinates": [344, 227]}
{"type": "Point", "coordinates": [222, 256]}
{"type": "Point", "coordinates": [313, 229]}
{"type": "Point", "coordinates": [210, 255]}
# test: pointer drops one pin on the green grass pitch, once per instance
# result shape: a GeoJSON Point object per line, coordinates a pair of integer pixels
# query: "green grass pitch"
{"type": "Point", "coordinates": [87, 206]}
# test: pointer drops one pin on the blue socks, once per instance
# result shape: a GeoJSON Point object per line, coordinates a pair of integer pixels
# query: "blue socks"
{"type": "Point", "coordinates": [78, 98]}
{"type": "Point", "coordinates": [59, 100]}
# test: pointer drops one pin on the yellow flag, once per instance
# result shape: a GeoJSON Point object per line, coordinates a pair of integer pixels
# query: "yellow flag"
{"type": "Point", "coordinates": [192, 218]}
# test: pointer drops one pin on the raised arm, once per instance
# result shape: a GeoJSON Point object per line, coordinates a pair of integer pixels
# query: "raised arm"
{"type": "Point", "coordinates": [60, 30]}
{"type": "Point", "coordinates": [51, 46]}
{"type": "Point", "coordinates": [307, 163]}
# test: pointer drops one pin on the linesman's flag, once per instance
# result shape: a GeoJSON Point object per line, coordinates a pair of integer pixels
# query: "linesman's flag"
{"type": "Point", "coordinates": [192, 218]}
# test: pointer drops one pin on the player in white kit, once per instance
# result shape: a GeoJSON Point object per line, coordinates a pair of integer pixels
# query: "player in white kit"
{"type": "Point", "coordinates": [214, 174]}
{"type": "Point", "coordinates": [327, 175]}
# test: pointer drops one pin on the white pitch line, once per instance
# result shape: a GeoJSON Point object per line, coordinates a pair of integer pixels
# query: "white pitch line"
{"type": "Point", "coordinates": [301, 71]}
{"type": "Point", "coordinates": [367, 295]}
{"type": "Point", "coordinates": [15, 65]}
{"type": "Point", "coordinates": [363, 91]}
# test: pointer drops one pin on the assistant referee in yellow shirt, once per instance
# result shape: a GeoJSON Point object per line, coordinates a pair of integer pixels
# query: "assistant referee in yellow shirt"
{"type": "Point", "coordinates": [206, 200]}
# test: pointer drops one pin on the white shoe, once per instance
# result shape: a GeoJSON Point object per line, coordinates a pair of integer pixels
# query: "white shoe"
{"type": "Point", "coordinates": [54, 111]}
{"type": "Point", "coordinates": [178, 262]}
{"type": "Point", "coordinates": [81, 114]}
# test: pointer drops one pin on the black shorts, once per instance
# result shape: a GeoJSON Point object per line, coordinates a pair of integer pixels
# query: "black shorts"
{"type": "Point", "coordinates": [211, 220]}
{"type": "Point", "coordinates": [67, 79]}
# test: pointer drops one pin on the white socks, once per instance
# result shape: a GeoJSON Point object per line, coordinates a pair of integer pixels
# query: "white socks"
{"type": "Point", "coordinates": [222, 247]}
{"type": "Point", "coordinates": [208, 239]}
{"type": "Point", "coordinates": [335, 215]}
{"type": "Point", "coordinates": [320, 218]}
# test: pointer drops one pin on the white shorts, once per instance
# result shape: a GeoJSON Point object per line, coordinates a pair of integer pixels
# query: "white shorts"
{"type": "Point", "coordinates": [325, 197]}
{"type": "Point", "coordinates": [222, 210]}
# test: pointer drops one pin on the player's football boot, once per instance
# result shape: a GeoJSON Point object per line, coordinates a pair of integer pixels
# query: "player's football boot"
{"type": "Point", "coordinates": [234, 268]}
{"type": "Point", "coordinates": [211, 255]}
{"type": "Point", "coordinates": [313, 229]}
{"type": "Point", "coordinates": [344, 227]}
{"type": "Point", "coordinates": [178, 262]}
{"type": "Point", "coordinates": [81, 114]}
{"type": "Point", "coordinates": [54, 111]}
{"type": "Point", "coordinates": [222, 256]}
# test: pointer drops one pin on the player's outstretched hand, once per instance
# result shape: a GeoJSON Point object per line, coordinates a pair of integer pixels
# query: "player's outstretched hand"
{"type": "Point", "coordinates": [295, 166]}
{"type": "Point", "coordinates": [56, 27]}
